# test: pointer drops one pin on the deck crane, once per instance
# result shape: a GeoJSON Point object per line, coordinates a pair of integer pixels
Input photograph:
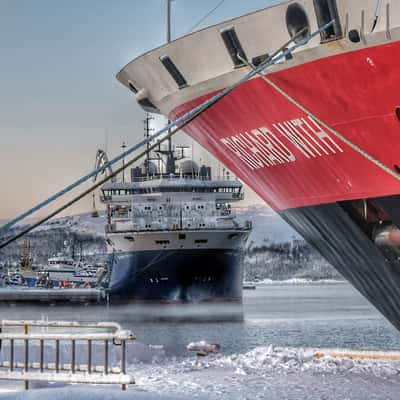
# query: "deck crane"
{"type": "Point", "coordinates": [101, 159]}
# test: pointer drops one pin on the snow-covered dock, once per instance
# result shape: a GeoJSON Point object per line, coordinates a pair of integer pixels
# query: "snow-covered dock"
{"type": "Point", "coordinates": [39, 295]}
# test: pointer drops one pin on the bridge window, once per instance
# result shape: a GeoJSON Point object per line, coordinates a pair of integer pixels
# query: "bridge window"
{"type": "Point", "coordinates": [173, 71]}
{"type": "Point", "coordinates": [233, 45]}
{"type": "Point", "coordinates": [326, 11]}
{"type": "Point", "coordinates": [162, 242]}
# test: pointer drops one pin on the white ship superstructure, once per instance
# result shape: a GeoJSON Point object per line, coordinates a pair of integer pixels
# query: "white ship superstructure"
{"type": "Point", "coordinates": [174, 236]}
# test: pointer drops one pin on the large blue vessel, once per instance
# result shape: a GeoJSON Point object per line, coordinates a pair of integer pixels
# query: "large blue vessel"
{"type": "Point", "coordinates": [172, 235]}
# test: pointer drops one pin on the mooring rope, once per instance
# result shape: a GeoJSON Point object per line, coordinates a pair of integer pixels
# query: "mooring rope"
{"type": "Point", "coordinates": [277, 56]}
{"type": "Point", "coordinates": [184, 120]}
{"type": "Point", "coordinates": [93, 187]}
{"type": "Point", "coordinates": [334, 132]}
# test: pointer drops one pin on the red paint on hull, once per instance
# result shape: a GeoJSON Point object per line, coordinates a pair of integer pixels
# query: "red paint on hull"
{"type": "Point", "coordinates": [357, 93]}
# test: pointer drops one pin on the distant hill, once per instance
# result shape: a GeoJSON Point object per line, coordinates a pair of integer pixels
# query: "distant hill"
{"type": "Point", "coordinates": [72, 235]}
{"type": "Point", "coordinates": [275, 251]}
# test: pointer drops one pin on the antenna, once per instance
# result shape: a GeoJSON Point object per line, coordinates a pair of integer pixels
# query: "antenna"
{"type": "Point", "coordinates": [147, 131]}
{"type": "Point", "coordinates": [168, 21]}
{"type": "Point", "coordinates": [181, 154]}
{"type": "Point", "coordinates": [123, 147]}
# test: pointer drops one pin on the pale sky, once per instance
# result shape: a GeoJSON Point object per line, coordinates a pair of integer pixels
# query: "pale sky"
{"type": "Point", "coordinates": [59, 98]}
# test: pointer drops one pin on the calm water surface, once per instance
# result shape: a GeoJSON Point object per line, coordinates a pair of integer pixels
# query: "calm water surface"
{"type": "Point", "coordinates": [316, 315]}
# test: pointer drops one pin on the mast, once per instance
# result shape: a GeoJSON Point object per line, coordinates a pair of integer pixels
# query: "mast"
{"type": "Point", "coordinates": [123, 147]}
{"type": "Point", "coordinates": [170, 157]}
{"type": "Point", "coordinates": [168, 21]}
{"type": "Point", "coordinates": [147, 130]}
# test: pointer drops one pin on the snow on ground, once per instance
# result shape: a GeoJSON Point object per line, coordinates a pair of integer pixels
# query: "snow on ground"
{"type": "Point", "coordinates": [83, 223]}
{"type": "Point", "coordinates": [263, 373]}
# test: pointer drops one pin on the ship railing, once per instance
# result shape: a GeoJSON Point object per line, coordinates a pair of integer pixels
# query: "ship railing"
{"type": "Point", "coordinates": [170, 177]}
{"type": "Point", "coordinates": [28, 342]}
{"type": "Point", "coordinates": [247, 225]}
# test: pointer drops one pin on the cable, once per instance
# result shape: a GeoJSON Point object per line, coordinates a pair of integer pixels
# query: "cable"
{"type": "Point", "coordinates": [279, 54]}
{"type": "Point", "coordinates": [205, 16]}
{"type": "Point", "coordinates": [166, 128]}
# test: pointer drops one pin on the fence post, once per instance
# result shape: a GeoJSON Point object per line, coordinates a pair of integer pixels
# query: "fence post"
{"type": "Point", "coordinates": [123, 360]}
{"type": "Point", "coordinates": [26, 355]}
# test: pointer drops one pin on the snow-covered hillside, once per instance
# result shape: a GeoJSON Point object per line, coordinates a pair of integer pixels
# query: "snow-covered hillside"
{"type": "Point", "coordinates": [275, 251]}
{"type": "Point", "coordinates": [72, 235]}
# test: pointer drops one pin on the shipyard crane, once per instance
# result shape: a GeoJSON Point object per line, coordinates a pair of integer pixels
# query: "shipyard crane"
{"type": "Point", "coordinates": [101, 159]}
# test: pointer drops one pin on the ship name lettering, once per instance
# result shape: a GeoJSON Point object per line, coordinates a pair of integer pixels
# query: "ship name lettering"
{"type": "Point", "coordinates": [269, 141]}
{"type": "Point", "coordinates": [322, 135]}
{"type": "Point", "coordinates": [237, 147]}
{"type": "Point", "coordinates": [261, 147]}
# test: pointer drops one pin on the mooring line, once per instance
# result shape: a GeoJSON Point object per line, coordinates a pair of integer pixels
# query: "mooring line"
{"type": "Point", "coordinates": [95, 186]}
{"type": "Point", "coordinates": [184, 120]}
{"type": "Point", "coordinates": [281, 53]}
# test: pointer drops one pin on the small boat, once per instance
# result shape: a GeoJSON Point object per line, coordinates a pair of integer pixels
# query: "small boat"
{"type": "Point", "coordinates": [62, 271]}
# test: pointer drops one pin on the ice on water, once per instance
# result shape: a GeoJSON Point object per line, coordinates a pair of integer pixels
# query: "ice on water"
{"type": "Point", "coordinates": [273, 373]}
{"type": "Point", "coordinates": [264, 372]}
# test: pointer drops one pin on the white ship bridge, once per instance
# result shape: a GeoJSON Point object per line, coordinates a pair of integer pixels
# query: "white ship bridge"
{"type": "Point", "coordinates": [172, 203]}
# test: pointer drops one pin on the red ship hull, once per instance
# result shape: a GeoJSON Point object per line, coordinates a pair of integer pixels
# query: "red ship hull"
{"type": "Point", "coordinates": [338, 200]}
{"type": "Point", "coordinates": [253, 130]}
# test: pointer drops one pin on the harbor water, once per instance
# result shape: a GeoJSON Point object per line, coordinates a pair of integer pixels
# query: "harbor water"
{"type": "Point", "coordinates": [261, 343]}
{"type": "Point", "coordinates": [311, 315]}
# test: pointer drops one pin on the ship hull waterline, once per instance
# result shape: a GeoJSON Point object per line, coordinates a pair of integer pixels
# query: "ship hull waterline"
{"type": "Point", "coordinates": [177, 276]}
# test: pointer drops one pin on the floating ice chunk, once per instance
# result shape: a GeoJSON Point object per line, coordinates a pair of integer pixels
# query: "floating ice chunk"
{"type": "Point", "coordinates": [203, 348]}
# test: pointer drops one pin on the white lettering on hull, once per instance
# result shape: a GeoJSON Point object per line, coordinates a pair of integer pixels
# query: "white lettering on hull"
{"type": "Point", "coordinates": [261, 147]}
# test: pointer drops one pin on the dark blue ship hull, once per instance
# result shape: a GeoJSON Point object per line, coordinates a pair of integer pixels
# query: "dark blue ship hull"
{"type": "Point", "coordinates": [184, 275]}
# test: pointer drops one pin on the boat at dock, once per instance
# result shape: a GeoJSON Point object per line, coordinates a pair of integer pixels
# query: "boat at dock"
{"type": "Point", "coordinates": [315, 135]}
{"type": "Point", "coordinates": [60, 271]}
{"type": "Point", "coordinates": [172, 234]}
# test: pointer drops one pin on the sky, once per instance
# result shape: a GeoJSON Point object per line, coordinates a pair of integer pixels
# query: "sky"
{"type": "Point", "coordinates": [59, 98]}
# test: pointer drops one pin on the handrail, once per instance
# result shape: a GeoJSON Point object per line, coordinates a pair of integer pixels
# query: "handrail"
{"type": "Point", "coordinates": [55, 371]}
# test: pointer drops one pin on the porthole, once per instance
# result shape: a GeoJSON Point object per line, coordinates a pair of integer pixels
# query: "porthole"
{"type": "Point", "coordinates": [297, 20]}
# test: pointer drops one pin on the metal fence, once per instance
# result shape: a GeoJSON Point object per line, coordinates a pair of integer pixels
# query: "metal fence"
{"type": "Point", "coordinates": [31, 365]}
